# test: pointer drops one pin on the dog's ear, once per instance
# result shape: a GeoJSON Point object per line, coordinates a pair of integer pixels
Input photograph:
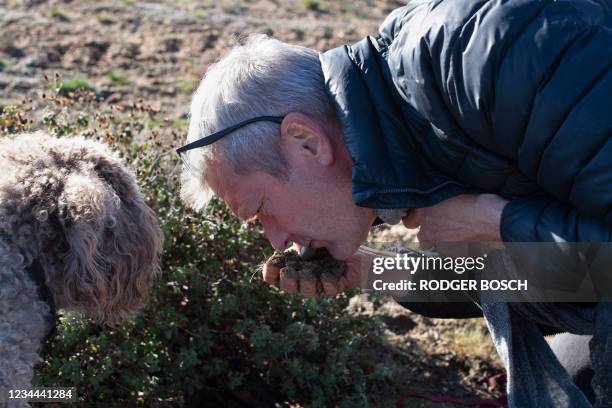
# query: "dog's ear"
{"type": "Point", "coordinates": [86, 209]}
{"type": "Point", "coordinates": [117, 177]}
{"type": "Point", "coordinates": [114, 242]}
{"type": "Point", "coordinates": [86, 199]}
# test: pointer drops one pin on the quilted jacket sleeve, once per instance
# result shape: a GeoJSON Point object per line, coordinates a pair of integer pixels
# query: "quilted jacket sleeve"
{"type": "Point", "coordinates": [548, 220]}
{"type": "Point", "coordinates": [532, 82]}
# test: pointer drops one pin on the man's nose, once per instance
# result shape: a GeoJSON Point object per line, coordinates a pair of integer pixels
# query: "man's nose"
{"type": "Point", "coordinates": [275, 234]}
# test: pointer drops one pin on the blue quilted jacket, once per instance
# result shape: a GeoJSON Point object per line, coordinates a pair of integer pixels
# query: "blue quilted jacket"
{"type": "Point", "coordinates": [508, 97]}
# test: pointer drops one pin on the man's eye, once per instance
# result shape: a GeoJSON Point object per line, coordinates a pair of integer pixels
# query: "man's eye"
{"type": "Point", "coordinates": [253, 220]}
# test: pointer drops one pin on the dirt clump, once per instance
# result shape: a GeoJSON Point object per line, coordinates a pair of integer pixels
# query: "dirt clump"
{"type": "Point", "coordinates": [320, 267]}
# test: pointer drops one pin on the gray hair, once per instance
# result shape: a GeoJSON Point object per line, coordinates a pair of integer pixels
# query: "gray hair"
{"type": "Point", "coordinates": [262, 77]}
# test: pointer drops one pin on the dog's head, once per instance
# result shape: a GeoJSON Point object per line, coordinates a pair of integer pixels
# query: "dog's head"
{"type": "Point", "coordinates": [104, 242]}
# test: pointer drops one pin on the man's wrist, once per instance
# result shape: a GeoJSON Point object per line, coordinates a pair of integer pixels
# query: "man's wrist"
{"type": "Point", "coordinates": [490, 207]}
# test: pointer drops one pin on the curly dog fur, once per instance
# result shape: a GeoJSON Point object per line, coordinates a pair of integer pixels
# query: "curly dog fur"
{"type": "Point", "coordinates": [70, 204]}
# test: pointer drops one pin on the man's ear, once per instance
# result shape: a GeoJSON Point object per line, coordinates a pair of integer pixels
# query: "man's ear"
{"type": "Point", "coordinates": [304, 138]}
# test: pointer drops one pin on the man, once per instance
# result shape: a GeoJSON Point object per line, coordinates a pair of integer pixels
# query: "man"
{"type": "Point", "coordinates": [473, 120]}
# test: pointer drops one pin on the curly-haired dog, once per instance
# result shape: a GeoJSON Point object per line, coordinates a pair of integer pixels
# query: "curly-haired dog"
{"type": "Point", "coordinates": [76, 234]}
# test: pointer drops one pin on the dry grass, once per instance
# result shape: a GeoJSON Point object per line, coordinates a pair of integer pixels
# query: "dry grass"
{"type": "Point", "coordinates": [471, 341]}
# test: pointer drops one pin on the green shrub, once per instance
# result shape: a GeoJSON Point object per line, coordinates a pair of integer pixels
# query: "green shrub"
{"type": "Point", "coordinates": [118, 77]}
{"type": "Point", "coordinates": [57, 14]}
{"type": "Point", "coordinates": [105, 19]}
{"type": "Point", "coordinates": [313, 5]}
{"type": "Point", "coordinates": [13, 119]}
{"type": "Point", "coordinates": [211, 320]}
{"type": "Point", "coordinates": [188, 85]}
{"type": "Point", "coordinates": [73, 84]}
{"type": "Point", "coordinates": [180, 123]}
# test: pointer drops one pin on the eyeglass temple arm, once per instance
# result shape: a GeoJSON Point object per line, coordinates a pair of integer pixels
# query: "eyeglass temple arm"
{"type": "Point", "coordinates": [206, 140]}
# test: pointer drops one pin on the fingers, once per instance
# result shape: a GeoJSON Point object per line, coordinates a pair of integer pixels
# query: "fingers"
{"type": "Point", "coordinates": [416, 219]}
{"type": "Point", "coordinates": [413, 219]}
{"type": "Point", "coordinates": [306, 283]}
{"type": "Point", "coordinates": [271, 274]}
{"type": "Point", "coordinates": [308, 287]}
{"type": "Point", "coordinates": [330, 284]}
{"type": "Point", "coordinates": [426, 242]}
{"type": "Point", "coordinates": [352, 279]}
{"type": "Point", "coordinates": [330, 288]}
{"type": "Point", "coordinates": [288, 282]}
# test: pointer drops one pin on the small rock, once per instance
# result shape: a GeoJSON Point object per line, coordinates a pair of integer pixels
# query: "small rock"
{"type": "Point", "coordinates": [360, 305]}
{"type": "Point", "coordinates": [97, 49]}
{"type": "Point", "coordinates": [7, 47]}
{"type": "Point", "coordinates": [399, 324]}
{"type": "Point", "coordinates": [172, 44]}
{"type": "Point", "coordinates": [35, 63]}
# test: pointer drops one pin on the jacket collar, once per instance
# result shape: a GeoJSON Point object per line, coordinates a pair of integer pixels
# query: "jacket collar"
{"type": "Point", "coordinates": [378, 127]}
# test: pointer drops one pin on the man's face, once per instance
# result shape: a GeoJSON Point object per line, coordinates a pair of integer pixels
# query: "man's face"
{"type": "Point", "coordinates": [312, 207]}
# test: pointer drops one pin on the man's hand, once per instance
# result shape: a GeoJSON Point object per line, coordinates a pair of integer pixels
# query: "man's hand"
{"type": "Point", "coordinates": [308, 288]}
{"type": "Point", "coordinates": [464, 218]}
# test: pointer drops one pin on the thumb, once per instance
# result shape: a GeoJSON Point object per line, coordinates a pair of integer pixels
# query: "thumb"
{"type": "Point", "coordinates": [413, 219]}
